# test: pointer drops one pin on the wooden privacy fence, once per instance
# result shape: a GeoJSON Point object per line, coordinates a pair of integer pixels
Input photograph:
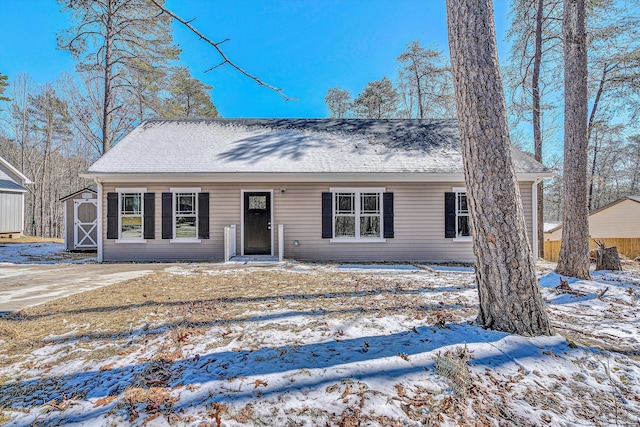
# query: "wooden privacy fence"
{"type": "Point", "coordinates": [629, 247]}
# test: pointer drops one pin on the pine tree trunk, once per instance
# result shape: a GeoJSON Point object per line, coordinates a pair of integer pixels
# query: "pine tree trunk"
{"type": "Point", "coordinates": [510, 299]}
{"type": "Point", "coordinates": [537, 128]}
{"type": "Point", "coordinates": [574, 250]}
{"type": "Point", "coordinates": [108, 88]}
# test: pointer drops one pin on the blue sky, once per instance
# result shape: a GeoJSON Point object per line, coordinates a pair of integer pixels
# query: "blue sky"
{"type": "Point", "coordinates": [303, 46]}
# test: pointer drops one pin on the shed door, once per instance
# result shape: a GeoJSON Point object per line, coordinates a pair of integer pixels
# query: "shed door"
{"type": "Point", "coordinates": [257, 223]}
{"type": "Point", "coordinates": [85, 219]}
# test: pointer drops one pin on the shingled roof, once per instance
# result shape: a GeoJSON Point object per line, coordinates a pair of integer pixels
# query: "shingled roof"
{"type": "Point", "coordinates": [292, 145]}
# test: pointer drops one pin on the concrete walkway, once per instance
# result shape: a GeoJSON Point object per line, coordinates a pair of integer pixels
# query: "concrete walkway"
{"type": "Point", "coordinates": [22, 285]}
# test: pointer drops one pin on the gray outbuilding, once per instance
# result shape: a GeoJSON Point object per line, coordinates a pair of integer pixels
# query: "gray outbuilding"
{"type": "Point", "coordinates": [12, 191]}
{"type": "Point", "coordinates": [81, 220]}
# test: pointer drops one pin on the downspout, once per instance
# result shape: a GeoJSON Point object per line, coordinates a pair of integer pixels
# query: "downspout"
{"type": "Point", "coordinates": [66, 218]}
{"type": "Point", "coordinates": [99, 235]}
{"type": "Point", "coordinates": [534, 214]}
{"type": "Point", "coordinates": [24, 200]}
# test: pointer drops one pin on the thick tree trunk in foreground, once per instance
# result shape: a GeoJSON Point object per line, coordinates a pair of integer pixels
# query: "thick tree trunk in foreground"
{"type": "Point", "coordinates": [510, 299]}
{"type": "Point", "coordinates": [574, 250]}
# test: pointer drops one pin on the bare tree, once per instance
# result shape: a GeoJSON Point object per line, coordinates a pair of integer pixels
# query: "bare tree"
{"type": "Point", "coordinates": [425, 82]}
{"type": "Point", "coordinates": [634, 156]}
{"type": "Point", "coordinates": [614, 57]}
{"type": "Point", "coordinates": [536, 40]}
{"type": "Point", "coordinates": [574, 251]}
{"type": "Point", "coordinates": [507, 285]}
{"type": "Point", "coordinates": [51, 125]}
{"type": "Point", "coordinates": [109, 37]}
{"type": "Point", "coordinates": [338, 101]}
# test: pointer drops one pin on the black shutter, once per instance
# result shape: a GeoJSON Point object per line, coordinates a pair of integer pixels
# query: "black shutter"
{"type": "Point", "coordinates": [449, 215]}
{"type": "Point", "coordinates": [149, 215]}
{"type": "Point", "coordinates": [112, 215]}
{"type": "Point", "coordinates": [327, 215]}
{"type": "Point", "coordinates": [203, 215]}
{"type": "Point", "coordinates": [167, 215]}
{"type": "Point", "coordinates": [387, 209]}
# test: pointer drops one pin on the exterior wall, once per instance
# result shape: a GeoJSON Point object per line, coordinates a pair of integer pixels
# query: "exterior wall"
{"type": "Point", "coordinates": [418, 223]}
{"type": "Point", "coordinates": [619, 220]}
{"type": "Point", "coordinates": [11, 212]}
{"type": "Point", "coordinates": [69, 225]}
{"type": "Point", "coordinates": [555, 235]}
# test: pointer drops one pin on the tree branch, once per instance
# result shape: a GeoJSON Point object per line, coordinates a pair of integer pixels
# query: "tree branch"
{"type": "Point", "coordinates": [226, 60]}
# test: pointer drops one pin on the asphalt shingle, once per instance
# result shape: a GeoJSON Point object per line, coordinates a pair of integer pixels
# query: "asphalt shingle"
{"type": "Point", "coordinates": [293, 145]}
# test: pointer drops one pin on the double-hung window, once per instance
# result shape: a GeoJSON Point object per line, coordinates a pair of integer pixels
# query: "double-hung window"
{"type": "Point", "coordinates": [131, 215]}
{"type": "Point", "coordinates": [357, 214]}
{"type": "Point", "coordinates": [185, 219]}
{"type": "Point", "coordinates": [463, 226]}
{"type": "Point", "coordinates": [180, 215]}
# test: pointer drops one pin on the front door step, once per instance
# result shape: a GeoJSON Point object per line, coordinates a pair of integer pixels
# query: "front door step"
{"type": "Point", "coordinates": [255, 259]}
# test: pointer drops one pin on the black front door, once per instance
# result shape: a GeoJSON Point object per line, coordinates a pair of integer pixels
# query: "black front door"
{"type": "Point", "coordinates": [257, 223]}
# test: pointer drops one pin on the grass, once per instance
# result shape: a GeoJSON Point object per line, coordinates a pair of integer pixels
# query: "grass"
{"type": "Point", "coordinates": [29, 239]}
{"type": "Point", "coordinates": [193, 302]}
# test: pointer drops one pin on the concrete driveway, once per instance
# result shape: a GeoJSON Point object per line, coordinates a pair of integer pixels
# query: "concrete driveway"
{"type": "Point", "coordinates": [22, 285]}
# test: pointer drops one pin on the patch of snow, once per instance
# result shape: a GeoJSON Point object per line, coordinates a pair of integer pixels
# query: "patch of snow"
{"type": "Point", "coordinates": [37, 253]}
{"type": "Point", "coordinates": [451, 268]}
{"type": "Point", "coordinates": [378, 267]}
{"type": "Point", "coordinates": [300, 366]}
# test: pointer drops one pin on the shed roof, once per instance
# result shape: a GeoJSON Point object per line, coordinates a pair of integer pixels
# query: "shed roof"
{"type": "Point", "coordinates": [75, 193]}
{"type": "Point", "coordinates": [292, 145]}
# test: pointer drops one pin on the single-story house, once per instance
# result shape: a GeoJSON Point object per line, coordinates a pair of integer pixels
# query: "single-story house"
{"type": "Point", "coordinates": [308, 189]}
{"type": "Point", "coordinates": [81, 220]}
{"type": "Point", "coordinates": [12, 191]}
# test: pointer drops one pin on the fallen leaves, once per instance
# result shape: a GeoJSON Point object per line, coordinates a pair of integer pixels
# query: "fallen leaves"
{"type": "Point", "coordinates": [104, 401]}
{"type": "Point", "coordinates": [260, 383]}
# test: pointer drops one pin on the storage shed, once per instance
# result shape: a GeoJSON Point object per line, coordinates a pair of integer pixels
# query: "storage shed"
{"type": "Point", "coordinates": [81, 220]}
{"type": "Point", "coordinates": [12, 191]}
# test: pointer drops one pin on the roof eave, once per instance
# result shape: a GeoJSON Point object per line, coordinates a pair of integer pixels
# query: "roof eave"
{"type": "Point", "coordinates": [85, 189]}
{"type": "Point", "coordinates": [20, 175]}
{"type": "Point", "coordinates": [293, 176]}
{"type": "Point", "coordinates": [13, 190]}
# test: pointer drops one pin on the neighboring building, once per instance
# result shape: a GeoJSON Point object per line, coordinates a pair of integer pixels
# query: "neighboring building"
{"type": "Point", "coordinates": [12, 191]}
{"type": "Point", "coordinates": [81, 220]}
{"type": "Point", "coordinates": [619, 219]}
{"type": "Point", "coordinates": [312, 189]}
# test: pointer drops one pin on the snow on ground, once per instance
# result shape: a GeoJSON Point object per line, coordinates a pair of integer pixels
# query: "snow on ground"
{"type": "Point", "coordinates": [40, 253]}
{"type": "Point", "coordinates": [295, 362]}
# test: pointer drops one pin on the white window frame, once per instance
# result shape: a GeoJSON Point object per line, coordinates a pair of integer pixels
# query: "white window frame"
{"type": "Point", "coordinates": [357, 209]}
{"type": "Point", "coordinates": [132, 190]}
{"type": "Point", "coordinates": [174, 192]}
{"type": "Point", "coordinates": [457, 191]}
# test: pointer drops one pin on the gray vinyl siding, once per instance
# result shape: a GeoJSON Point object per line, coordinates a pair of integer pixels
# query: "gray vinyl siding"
{"type": "Point", "coordinates": [11, 212]}
{"type": "Point", "coordinates": [419, 224]}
